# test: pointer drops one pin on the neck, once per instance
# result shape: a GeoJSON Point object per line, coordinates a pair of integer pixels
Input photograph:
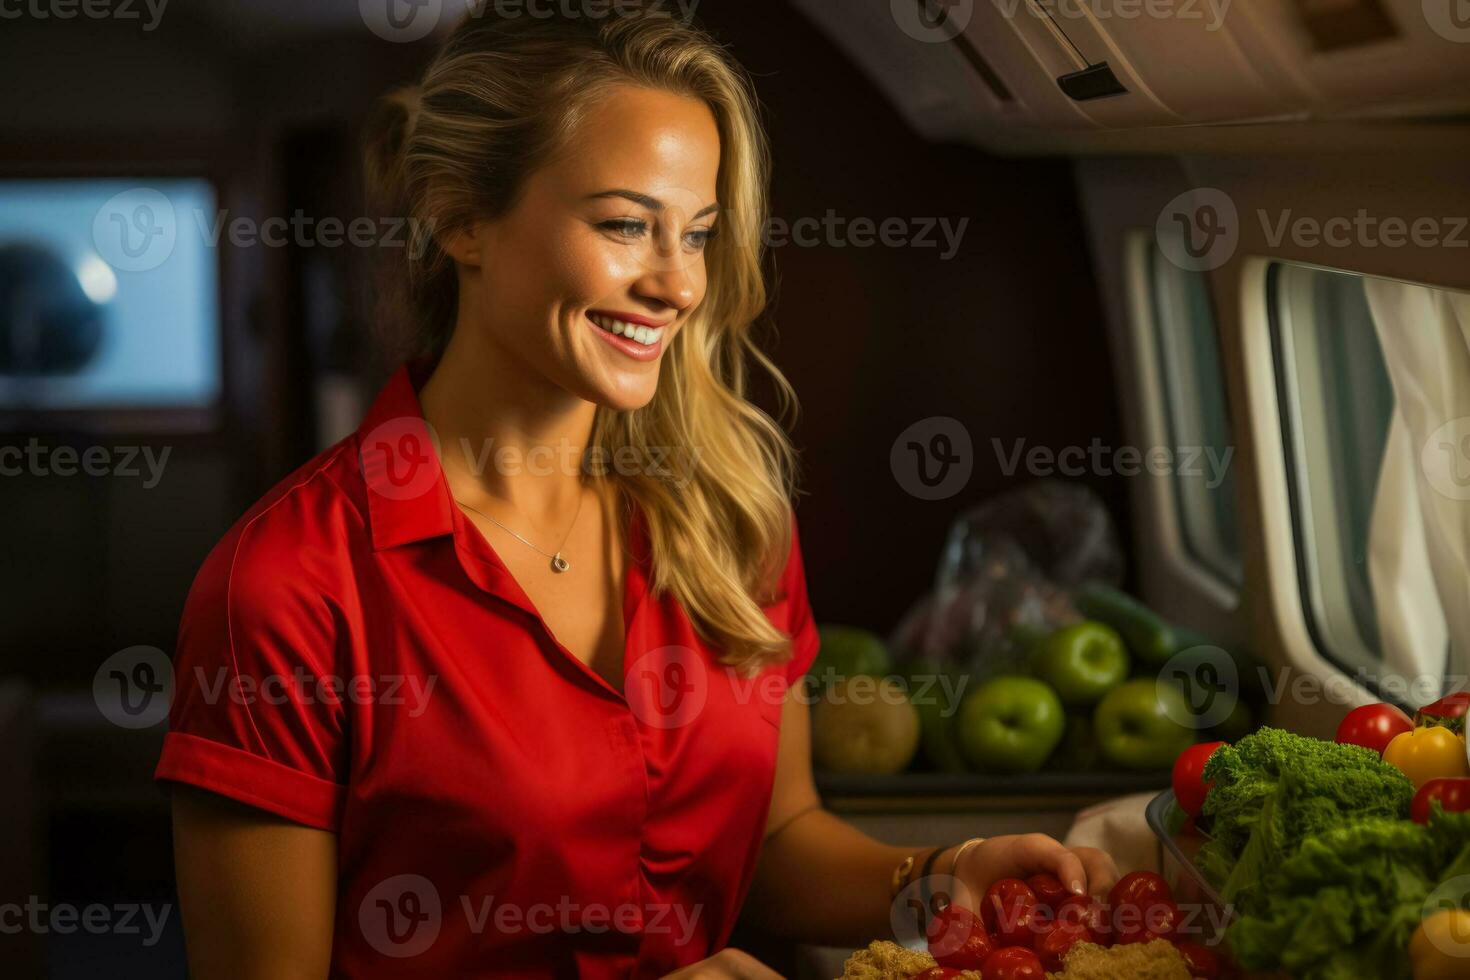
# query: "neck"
{"type": "Point", "coordinates": [507, 435]}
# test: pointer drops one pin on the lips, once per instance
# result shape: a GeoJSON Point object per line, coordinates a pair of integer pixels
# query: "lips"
{"type": "Point", "coordinates": [638, 331]}
{"type": "Point", "coordinates": [623, 336]}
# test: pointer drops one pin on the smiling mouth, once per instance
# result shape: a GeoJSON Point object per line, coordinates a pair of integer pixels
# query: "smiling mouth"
{"type": "Point", "coordinates": [648, 336]}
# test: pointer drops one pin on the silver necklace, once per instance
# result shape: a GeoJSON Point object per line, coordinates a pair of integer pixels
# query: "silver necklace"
{"type": "Point", "coordinates": [558, 563]}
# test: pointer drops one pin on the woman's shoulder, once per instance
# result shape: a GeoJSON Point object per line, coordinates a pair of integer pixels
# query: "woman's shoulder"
{"type": "Point", "coordinates": [299, 537]}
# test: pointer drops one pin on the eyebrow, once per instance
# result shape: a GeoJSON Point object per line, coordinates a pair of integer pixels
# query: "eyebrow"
{"type": "Point", "coordinates": [649, 202]}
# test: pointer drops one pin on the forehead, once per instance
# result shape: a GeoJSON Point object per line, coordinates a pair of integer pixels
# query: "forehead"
{"type": "Point", "coordinates": [645, 140]}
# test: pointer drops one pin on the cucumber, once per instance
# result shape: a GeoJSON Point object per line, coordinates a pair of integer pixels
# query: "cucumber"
{"type": "Point", "coordinates": [1250, 671]}
{"type": "Point", "coordinates": [1149, 638]}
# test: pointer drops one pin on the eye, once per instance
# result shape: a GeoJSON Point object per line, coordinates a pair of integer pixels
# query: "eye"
{"type": "Point", "coordinates": [626, 227]}
{"type": "Point", "coordinates": [701, 237]}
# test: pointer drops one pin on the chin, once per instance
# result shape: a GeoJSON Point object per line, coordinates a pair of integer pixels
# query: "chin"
{"type": "Point", "coordinates": [625, 399]}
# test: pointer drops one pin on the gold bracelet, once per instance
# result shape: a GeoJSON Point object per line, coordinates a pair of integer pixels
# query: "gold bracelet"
{"type": "Point", "coordinates": [954, 866]}
{"type": "Point", "coordinates": [900, 877]}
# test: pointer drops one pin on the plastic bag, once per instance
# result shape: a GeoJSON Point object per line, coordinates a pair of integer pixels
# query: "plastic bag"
{"type": "Point", "coordinates": [1063, 529]}
{"type": "Point", "coordinates": [1004, 577]}
{"type": "Point", "coordinates": [981, 624]}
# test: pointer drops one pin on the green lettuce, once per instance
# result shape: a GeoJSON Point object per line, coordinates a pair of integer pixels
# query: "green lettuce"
{"type": "Point", "coordinates": [1272, 790]}
{"type": "Point", "coordinates": [1311, 846]}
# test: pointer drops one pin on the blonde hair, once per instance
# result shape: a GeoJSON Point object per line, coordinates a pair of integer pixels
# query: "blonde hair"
{"type": "Point", "coordinates": [500, 98]}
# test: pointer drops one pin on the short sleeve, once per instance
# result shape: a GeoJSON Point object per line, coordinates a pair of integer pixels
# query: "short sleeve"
{"type": "Point", "coordinates": [799, 623]}
{"type": "Point", "coordinates": [257, 713]}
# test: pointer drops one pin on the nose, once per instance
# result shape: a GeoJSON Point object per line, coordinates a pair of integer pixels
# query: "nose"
{"type": "Point", "coordinates": [674, 287]}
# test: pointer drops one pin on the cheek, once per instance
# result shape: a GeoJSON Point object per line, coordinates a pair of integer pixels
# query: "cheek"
{"type": "Point", "coordinates": [587, 270]}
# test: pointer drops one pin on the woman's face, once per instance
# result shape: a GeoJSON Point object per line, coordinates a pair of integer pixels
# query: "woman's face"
{"type": "Point", "coordinates": [601, 262]}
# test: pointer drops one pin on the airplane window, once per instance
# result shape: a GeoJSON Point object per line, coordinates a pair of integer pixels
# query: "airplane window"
{"type": "Point", "coordinates": [1192, 386]}
{"type": "Point", "coordinates": [1376, 504]}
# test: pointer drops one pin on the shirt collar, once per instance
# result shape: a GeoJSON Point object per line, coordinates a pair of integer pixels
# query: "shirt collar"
{"type": "Point", "coordinates": [408, 498]}
{"type": "Point", "coordinates": [398, 455]}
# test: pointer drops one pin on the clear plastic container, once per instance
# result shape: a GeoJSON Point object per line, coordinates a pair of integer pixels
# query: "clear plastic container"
{"type": "Point", "coordinates": [1191, 890]}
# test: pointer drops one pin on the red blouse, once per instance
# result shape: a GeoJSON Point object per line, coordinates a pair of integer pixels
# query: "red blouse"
{"type": "Point", "coordinates": [355, 657]}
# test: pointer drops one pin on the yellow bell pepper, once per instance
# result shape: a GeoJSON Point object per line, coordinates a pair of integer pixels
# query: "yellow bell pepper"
{"type": "Point", "coordinates": [1428, 753]}
{"type": "Point", "coordinates": [1440, 948]}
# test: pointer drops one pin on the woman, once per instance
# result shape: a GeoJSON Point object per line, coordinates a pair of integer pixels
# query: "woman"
{"type": "Point", "coordinates": [501, 684]}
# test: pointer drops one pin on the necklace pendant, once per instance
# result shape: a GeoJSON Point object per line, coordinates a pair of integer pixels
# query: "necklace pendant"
{"type": "Point", "coordinates": [559, 564]}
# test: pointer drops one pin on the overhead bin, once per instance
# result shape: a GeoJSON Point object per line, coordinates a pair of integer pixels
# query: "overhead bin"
{"type": "Point", "coordinates": [994, 71]}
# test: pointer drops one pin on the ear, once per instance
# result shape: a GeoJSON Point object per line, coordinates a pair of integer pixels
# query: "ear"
{"type": "Point", "coordinates": [467, 245]}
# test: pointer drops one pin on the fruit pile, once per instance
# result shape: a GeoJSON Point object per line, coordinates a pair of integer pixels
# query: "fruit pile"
{"type": "Point", "coordinates": [1027, 929]}
{"type": "Point", "coordinates": [1089, 695]}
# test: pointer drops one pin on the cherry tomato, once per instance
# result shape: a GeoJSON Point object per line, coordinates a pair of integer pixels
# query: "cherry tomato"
{"type": "Point", "coordinates": [1139, 923]}
{"type": "Point", "coordinates": [1089, 912]}
{"type": "Point", "coordinates": [1202, 961]}
{"type": "Point", "coordinates": [1139, 888]}
{"type": "Point", "coordinates": [1054, 941]}
{"type": "Point", "coordinates": [1373, 726]}
{"type": "Point", "coordinates": [957, 938]}
{"type": "Point", "coordinates": [1189, 776]}
{"type": "Point", "coordinates": [937, 973]}
{"type": "Point", "coordinates": [1050, 892]}
{"type": "Point", "coordinates": [1427, 753]}
{"type": "Point", "coordinates": [1009, 912]}
{"type": "Point", "coordinates": [1013, 963]}
{"type": "Point", "coordinates": [1453, 795]}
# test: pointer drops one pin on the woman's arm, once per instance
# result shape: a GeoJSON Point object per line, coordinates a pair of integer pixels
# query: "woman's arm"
{"type": "Point", "coordinates": [822, 880]}
{"type": "Point", "coordinates": [257, 892]}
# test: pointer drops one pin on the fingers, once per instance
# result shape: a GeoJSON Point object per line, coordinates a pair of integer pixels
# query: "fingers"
{"type": "Point", "coordinates": [1041, 851]}
{"type": "Point", "coordinates": [1102, 870]}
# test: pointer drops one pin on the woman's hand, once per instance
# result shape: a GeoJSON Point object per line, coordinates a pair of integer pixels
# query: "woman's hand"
{"type": "Point", "coordinates": [1081, 870]}
{"type": "Point", "coordinates": [727, 964]}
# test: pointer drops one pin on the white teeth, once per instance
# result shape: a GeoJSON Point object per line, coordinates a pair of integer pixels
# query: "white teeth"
{"type": "Point", "coordinates": [639, 334]}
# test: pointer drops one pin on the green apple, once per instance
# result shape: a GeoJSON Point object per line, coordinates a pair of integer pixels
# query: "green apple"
{"type": "Point", "coordinates": [1081, 662]}
{"type": "Point", "coordinates": [848, 651]}
{"type": "Point", "coordinates": [1136, 728]}
{"type": "Point", "coordinates": [864, 725]}
{"type": "Point", "coordinates": [1010, 724]}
